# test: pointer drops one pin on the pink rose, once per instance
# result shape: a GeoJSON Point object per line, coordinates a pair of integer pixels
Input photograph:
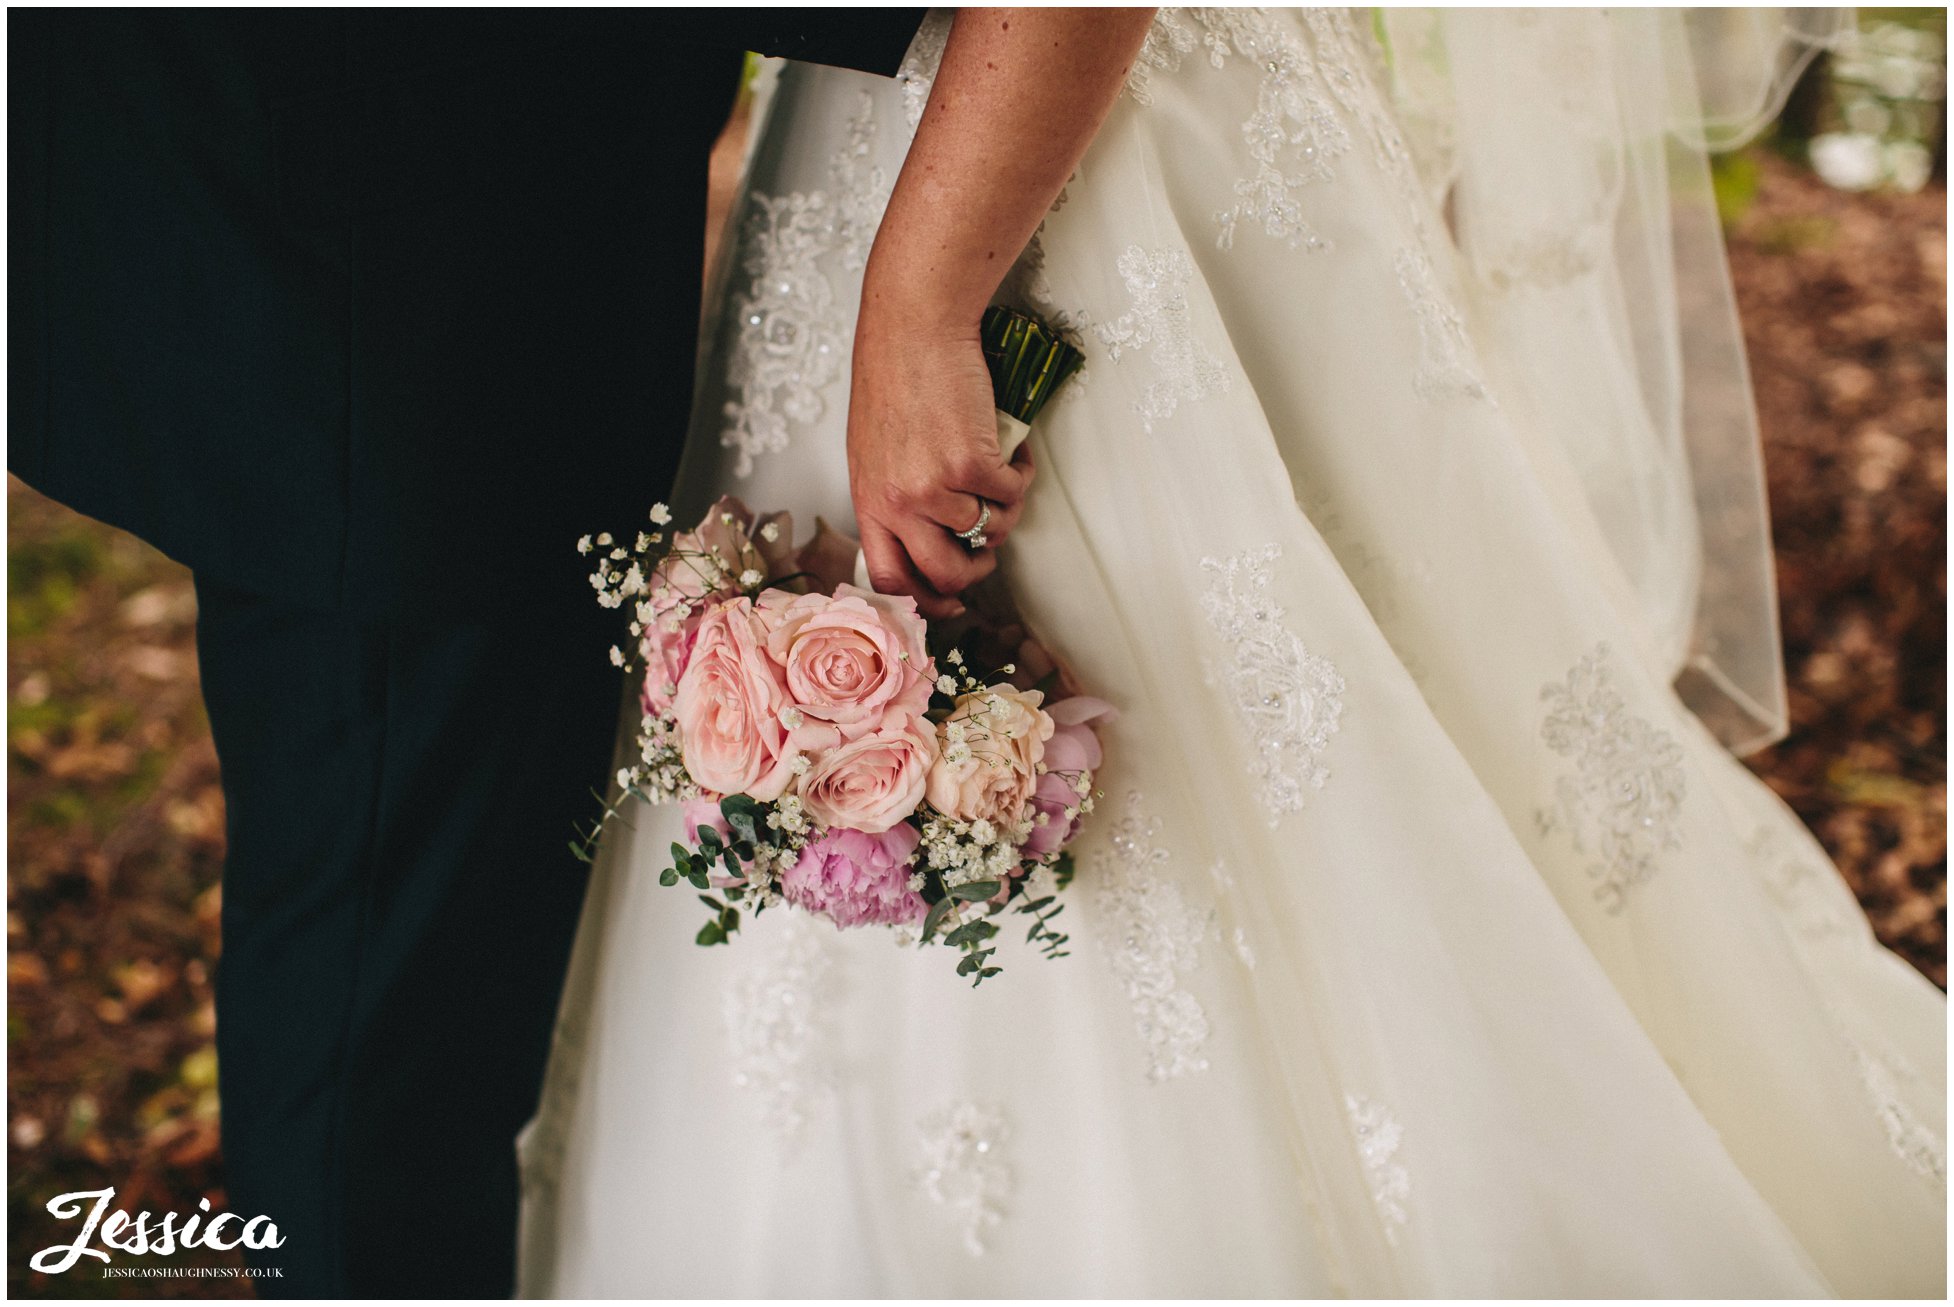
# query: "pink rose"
{"type": "Point", "coordinates": [1074, 746]}
{"type": "Point", "coordinates": [1071, 756]}
{"type": "Point", "coordinates": [729, 542]}
{"type": "Point", "coordinates": [728, 707]}
{"type": "Point", "coordinates": [1055, 796]}
{"type": "Point", "coordinates": [988, 756]}
{"type": "Point", "coordinates": [857, 879]}
{"type": "Point", "coordinates": [856, 661]}
{"type": "Point", "coordinates": [666, 653]}
{"type": "Point", "coordinates": [872, 783]}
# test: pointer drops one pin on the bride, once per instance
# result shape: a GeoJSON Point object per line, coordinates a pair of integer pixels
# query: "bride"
{"type": "Point", "coordinates": [1467, 960]}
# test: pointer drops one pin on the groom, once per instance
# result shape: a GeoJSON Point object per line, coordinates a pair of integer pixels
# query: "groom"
{"type": "Point", "coordinates": [367, 316]}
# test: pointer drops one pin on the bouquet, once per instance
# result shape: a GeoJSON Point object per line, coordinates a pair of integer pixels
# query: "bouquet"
{"type": "Point", "coordinates": [833, 752]}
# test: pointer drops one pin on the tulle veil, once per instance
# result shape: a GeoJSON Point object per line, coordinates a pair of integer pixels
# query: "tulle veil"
{"type": "Point", "coordinates": [1569, 149]}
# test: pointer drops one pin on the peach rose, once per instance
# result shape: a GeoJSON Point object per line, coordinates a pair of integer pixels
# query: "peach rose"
{"type": "Point", "coordinates": [988, 753]}
{"type": "Point", "coordinates": [855, 661]}
{"type": "Point", "coordinates": [872, 783]}
{"type": "Point", "coordinates": [729, 706]}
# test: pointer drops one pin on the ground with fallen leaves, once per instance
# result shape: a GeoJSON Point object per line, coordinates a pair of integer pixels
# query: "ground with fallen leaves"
{"type": "Point", "coordinates": [115, 817]}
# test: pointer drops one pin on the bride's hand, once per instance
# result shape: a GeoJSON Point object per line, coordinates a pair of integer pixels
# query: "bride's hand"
{"type": "Point", "coordinates": [923, 457]}
{"type": "Point", "coordinates": [1016, 100]}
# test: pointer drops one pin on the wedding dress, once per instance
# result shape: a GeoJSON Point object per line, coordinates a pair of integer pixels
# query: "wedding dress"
{"type": "Point", "coordinates": [1424, 943]}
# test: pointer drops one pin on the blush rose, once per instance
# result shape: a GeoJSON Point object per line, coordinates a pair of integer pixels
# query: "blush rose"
{"type": "Point", "coordinates": [729, 706]}
{"type": "Point", "coordinates": [872, 783]}
{"type": "Point", "coordinates": [856, 661]}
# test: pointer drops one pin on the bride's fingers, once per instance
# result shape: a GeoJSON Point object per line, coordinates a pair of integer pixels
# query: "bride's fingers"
{"type": "Point", "coordinates": [1003, 518]}
{"type": "Point", "coordinates": [891, 573]}
{"type": "Point", "coordinates": [943, 559]}
{"type": "Point", "coordinates": [1004, 483]}
{"type": "Point", "coordinates": [959, 511]}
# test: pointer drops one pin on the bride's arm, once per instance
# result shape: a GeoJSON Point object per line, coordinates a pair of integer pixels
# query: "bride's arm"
{"type": "Point", "coordinates": [1015, 104]}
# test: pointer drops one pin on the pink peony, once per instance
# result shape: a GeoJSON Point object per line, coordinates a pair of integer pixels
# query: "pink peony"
{"type": "Point", "coordinates": [857, 879]}
{"type": "Point", "coordinates": [856, 661]}
{"type": "Point", "coordinates": [987, 764]}
{"type": "Point", "coordinates": [728, 707]}
{"type": "Point", "coordinates": [872, 783]}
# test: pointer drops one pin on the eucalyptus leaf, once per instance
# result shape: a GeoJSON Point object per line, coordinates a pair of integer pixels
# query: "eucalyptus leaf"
{"type": "Point", "coordinates": [942, 909]}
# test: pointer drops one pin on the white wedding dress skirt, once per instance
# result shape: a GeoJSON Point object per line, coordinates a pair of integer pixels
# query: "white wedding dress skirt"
{"type": "Point", "coordinates": [1424, 944]}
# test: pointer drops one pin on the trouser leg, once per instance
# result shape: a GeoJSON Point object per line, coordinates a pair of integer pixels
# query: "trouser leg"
{"type": "Point", "coordinates": [399, 903]}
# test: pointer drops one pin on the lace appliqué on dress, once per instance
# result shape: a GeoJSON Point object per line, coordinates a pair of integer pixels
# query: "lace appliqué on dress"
{"type": "Point", "coordinates": [1291, 136]}
{"type": "Point", "coordinates": [1379, 1137]}
{"type": "Point", "coordinates": [961, 1168]}
{"type": "Point", "coordinates": [1622, 801]}
{"type": "Point", "coordinates": [1159, 323]}
{"type": "Point", "coordinates": [1915, 1143]}
{"type": "Point", "coordinates": [918, 71]}
{"type": "Point", "coordinates": [1290, 700]}
{"type": "Point", "coordinates": [1810, 895]}
{"type": "Point", "coordinates": [793, 329]}
{"type": "Point", "coordinates": [1443, 348]}
{"type": "Point", "coordinates": [1154, 938]}
{"type": "Point", "coordinates": [774, 1025]}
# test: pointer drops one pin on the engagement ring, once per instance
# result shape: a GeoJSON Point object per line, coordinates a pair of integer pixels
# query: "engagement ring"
{"type": "Point", "coordinates": [975, 539]}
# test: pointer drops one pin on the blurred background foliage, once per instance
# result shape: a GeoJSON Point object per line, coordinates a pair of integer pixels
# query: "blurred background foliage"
{"type": "Point", "coordinates": [1837, 224]}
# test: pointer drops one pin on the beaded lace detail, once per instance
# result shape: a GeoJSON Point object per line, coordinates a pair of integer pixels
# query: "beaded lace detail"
{"type": "Point", "coordinates": [1312, 100]}
{"type": "Point", "coordinates": [775, 1024]}
{"type": "Point", "coordinates": [1153, 936]}
{"type": "Point", "coordinates": [918, 71]}
{"type": "Point", "coordinates": [1621, 803]}
{"type": "Point", "coordinates": [961, 1168]}
{"type": "Point", "coordinates": [1289, 699]}
{"type": "Point", "coordinates": [1159, 323]}
{"type": "Point", "coordinates": [1291, 136]}
{"type": "Point", "coordinates": [1379, 1137]}
{"type": "Point", "coordinates": [793, 327]}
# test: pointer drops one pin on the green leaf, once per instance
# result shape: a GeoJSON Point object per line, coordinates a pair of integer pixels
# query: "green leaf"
{"type": "Point", "coordinates": [680, 855]}
{"type": "Point", "coordinates": [745, 815]}
{"type": "Point", "coordinates": [698, 877]}
{"type": "Point", "coordinates": [710, 934]}
{"type": "Point", "coordinates": [971, 933]}
{"type": "Point", "coordinates": [669, 876]}
{"type": "Point", "coordinates": [942, 909]}
{"type": "Point", "coordinates": [975, 892]}
{"type": "Point", "coordinates": [712, 902]}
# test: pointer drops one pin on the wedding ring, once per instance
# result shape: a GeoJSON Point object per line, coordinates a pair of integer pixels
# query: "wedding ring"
{"type": "Point", "coordinates": [975, 539]}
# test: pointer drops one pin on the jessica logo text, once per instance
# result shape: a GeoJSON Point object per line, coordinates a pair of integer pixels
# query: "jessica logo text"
{"type": "Point", "coordinates": [136, 1236]}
